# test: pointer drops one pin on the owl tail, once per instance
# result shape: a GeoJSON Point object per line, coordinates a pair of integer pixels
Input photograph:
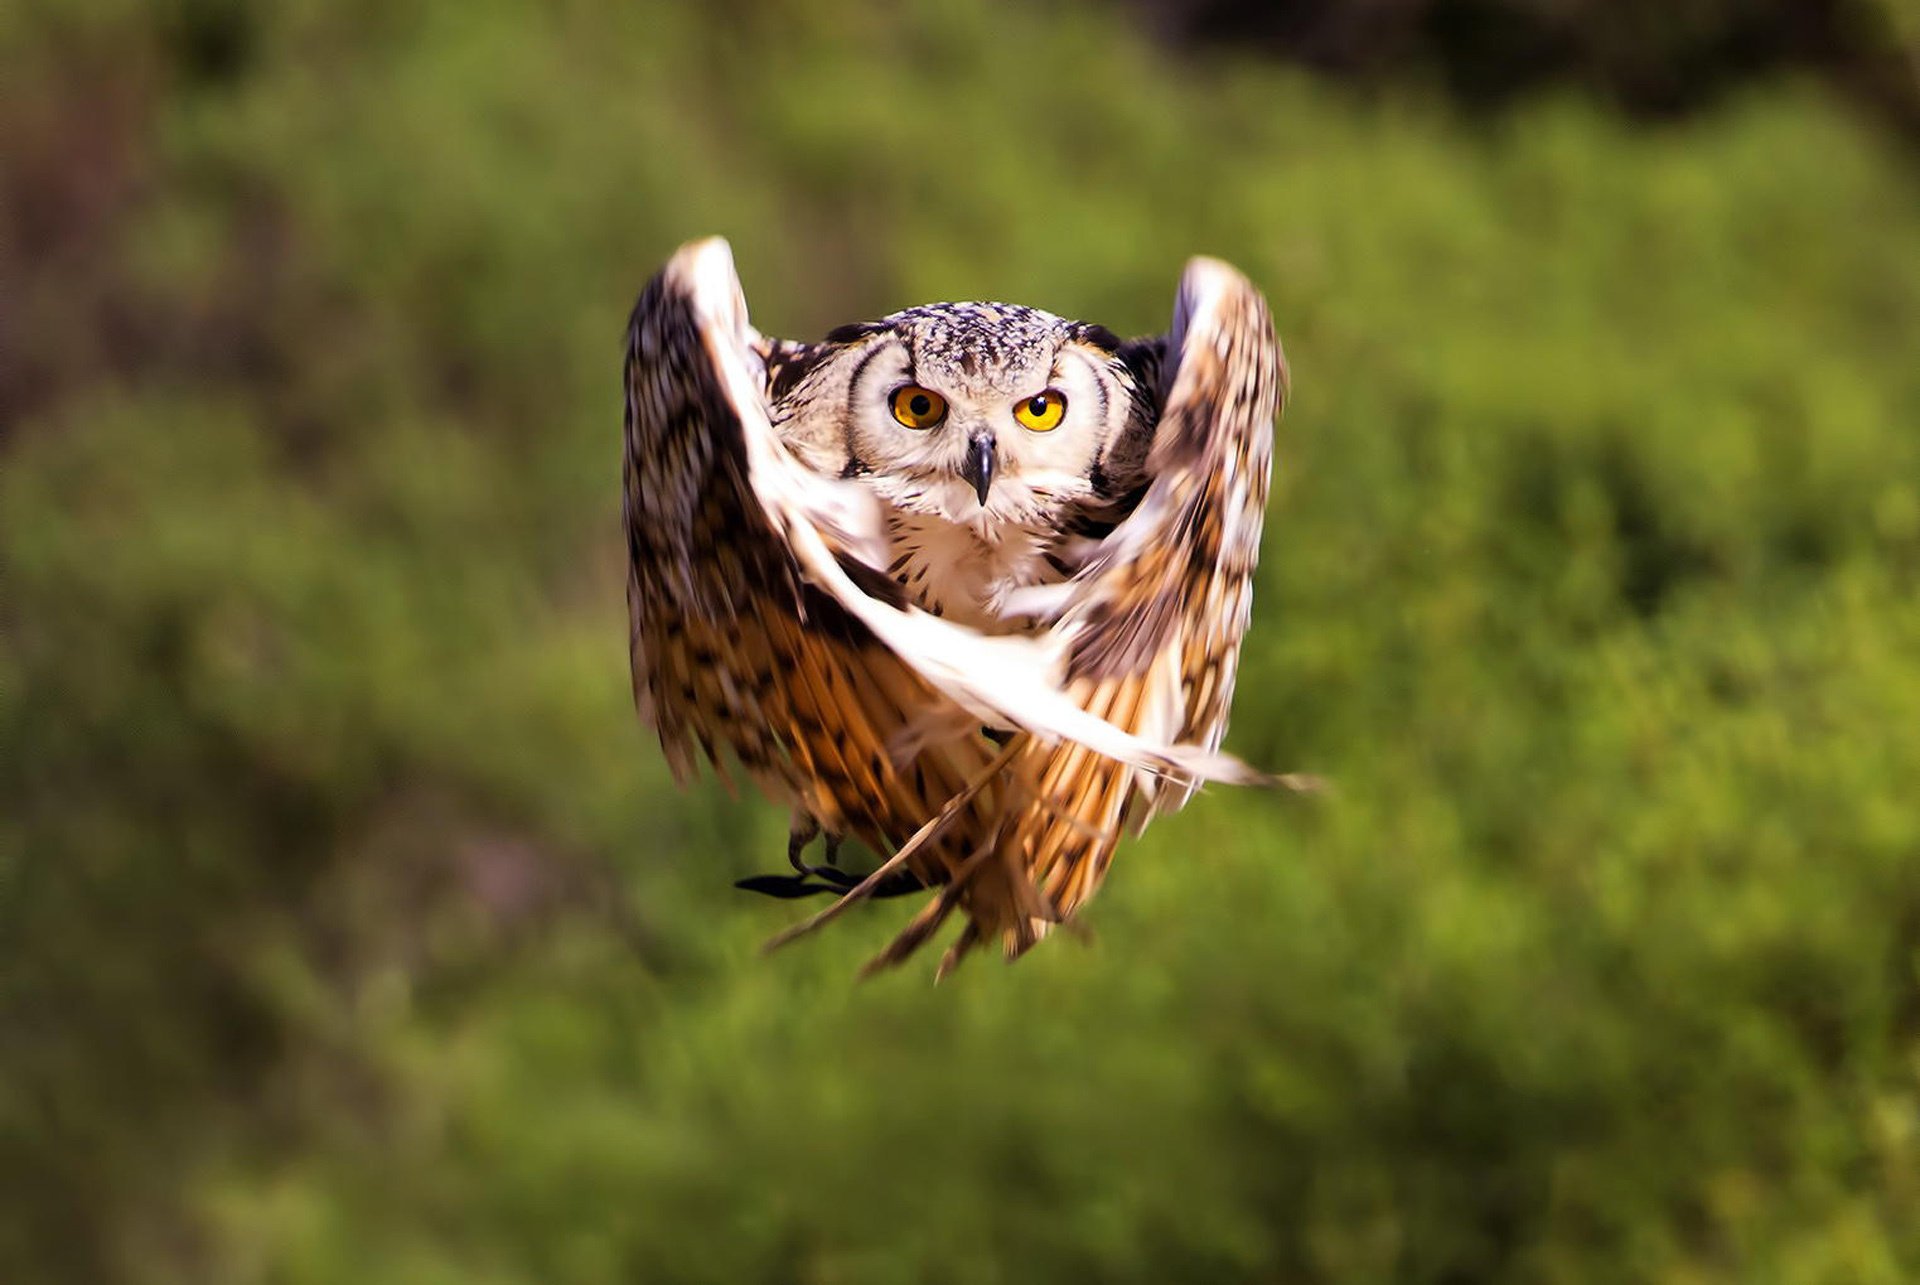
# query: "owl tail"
{"type": "Point", "coordinates": [1028, 866]}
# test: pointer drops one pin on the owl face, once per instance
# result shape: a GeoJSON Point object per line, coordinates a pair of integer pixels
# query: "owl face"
{"type": "Point", "coordinates": [976, 413]}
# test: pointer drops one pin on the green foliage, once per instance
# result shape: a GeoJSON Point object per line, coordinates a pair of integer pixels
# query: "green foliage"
{"type": "Point", "coordinates": [352, 930]}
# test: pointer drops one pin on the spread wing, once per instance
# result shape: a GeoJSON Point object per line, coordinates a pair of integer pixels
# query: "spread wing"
{"type": "Point", "coordinates": [757, 621]}
{"type": "Point", "coordinates": [1152, 617]}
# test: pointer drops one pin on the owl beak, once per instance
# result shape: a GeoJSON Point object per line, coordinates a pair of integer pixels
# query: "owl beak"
{"type": "Point", "coordinates": [978, 467]}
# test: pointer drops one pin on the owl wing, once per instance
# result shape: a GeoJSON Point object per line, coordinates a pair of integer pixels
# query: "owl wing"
{"type": "Point", "coordinates": [757, 619]}
{"type": "Point", "coordinates": [1152, 617]}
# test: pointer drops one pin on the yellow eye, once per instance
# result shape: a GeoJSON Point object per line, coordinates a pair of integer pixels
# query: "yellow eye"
{"type": "Point", "coordinates": [1042, 411]}
{"type": "Point", "coordinates": [918, 407]}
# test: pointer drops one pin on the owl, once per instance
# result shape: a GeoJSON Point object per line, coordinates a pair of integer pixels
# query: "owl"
{"type": "Point", "coordinates": [967, 583]}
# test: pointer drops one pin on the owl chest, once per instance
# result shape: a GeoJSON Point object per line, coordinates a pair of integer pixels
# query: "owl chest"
{"type": "Point", "coordinates": [963, 575]}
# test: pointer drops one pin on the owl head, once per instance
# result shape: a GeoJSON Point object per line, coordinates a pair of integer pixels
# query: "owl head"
{"type": "Point", "coordinates": [980, 414]}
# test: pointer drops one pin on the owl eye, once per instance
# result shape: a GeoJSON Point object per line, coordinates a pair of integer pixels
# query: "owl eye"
{"type": "Point", "coordinates": [1041, 412]}
{"type": "Point", "coordinates": [918, 407]}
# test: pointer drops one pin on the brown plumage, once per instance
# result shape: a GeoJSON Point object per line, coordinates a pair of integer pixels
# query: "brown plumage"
{"type": "Point", "coordinates": [991, 689]}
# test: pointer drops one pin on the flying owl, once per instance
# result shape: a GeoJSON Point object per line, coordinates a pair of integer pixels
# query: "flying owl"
{"type": "Point", "coordinates": [967, 583]}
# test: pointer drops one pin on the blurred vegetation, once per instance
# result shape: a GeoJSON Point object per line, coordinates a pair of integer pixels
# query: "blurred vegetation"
{"type": "Point", "coordinates": [351, 931]}
{"type": "Point", "coordinates": [1652, 58]}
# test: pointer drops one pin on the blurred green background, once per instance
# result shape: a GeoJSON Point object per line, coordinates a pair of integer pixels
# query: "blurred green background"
{"type": "Point", "coordinates": [350, 929]}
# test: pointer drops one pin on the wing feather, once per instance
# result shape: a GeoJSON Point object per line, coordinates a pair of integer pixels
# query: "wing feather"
{"type": "Point", "coordinates": [1162, 600]}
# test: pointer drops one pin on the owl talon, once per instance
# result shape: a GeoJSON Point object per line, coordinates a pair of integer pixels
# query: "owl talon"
{"type": "Point", "coordinates": [801, 832]}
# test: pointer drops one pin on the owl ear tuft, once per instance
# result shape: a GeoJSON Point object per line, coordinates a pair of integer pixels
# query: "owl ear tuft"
{"type": "Point", "coordinates": [853, 332]}
{"type": "Point", "coordinates": [1095, 335]}
{"type": "Point", "coordinates": [788, 363]}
